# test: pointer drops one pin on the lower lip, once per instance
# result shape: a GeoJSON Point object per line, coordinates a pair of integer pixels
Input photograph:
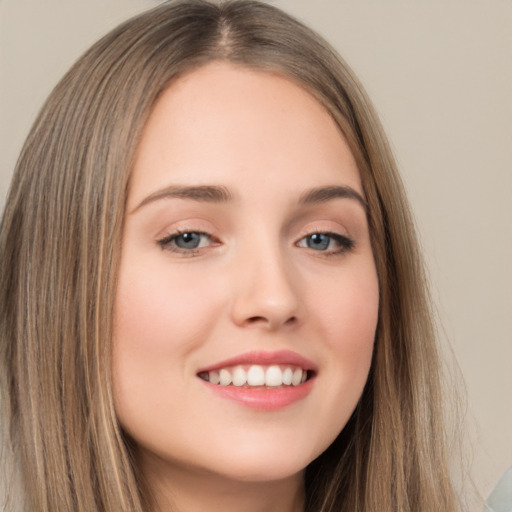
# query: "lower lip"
{"type": "Point", "coordinates": [263, 399]}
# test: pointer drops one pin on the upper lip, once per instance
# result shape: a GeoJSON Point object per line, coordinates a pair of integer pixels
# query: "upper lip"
{"type": "Point", "coordinates": [264, 358]}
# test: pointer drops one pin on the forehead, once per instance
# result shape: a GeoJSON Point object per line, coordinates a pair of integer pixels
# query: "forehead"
{"type": "Point", "coordinates": [235, 126]}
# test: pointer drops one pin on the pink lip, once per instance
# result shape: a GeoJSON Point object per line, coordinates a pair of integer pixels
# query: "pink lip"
{"type": "Point", "coordinates": [264, 399]}
{"type": "Point", "coordinates": [264, 358]}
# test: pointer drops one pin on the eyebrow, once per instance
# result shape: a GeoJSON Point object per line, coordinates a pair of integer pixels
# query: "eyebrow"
{"type": "Point", "coordinates": [324, 194]}
{"type": "Point", "coordinates": [201, 193]}
{"type": "Point", "coordinates": [220, 194]}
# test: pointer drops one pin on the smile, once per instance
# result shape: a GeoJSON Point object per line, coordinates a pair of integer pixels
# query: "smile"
{"type": "Point", "coordinates": [261, 380]}
{"type": "Point", "coordinates": [257, 376]}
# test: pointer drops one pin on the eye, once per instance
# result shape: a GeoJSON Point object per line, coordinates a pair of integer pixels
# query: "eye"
{"type": "Point", "coordinates": [331, 243]}
{"type": "Point", "coordinates": [186, 242]}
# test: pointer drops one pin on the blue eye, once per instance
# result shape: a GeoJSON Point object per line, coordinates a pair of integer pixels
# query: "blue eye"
{"type": "Point", "coordinates": [186, 242]}
{"type": "Point", "coordinates": [331, 243]}
{"type": "Point", "coordinates": [318, 241]}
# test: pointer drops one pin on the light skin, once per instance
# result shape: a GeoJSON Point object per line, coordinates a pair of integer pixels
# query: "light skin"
{"type": "Point", "coordinates": [245, 232]}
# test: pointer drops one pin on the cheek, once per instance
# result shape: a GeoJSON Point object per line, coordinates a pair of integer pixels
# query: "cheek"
{"type": "Point", "coordinates": [347, 314]}
{"type": "Point", "coordinates": [347, 308]}
{"type": "Point", "coordinates": [159, 310]}
{"type": "Point", "coordinates": [155, 328]}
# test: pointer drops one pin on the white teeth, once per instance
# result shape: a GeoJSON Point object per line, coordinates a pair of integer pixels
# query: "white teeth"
{"type": "Point", "coordinates": [257, 375]}
{"type": "Point", "coordinates": [239, 376]}
{"type": "Point", "coordinates": [287, 376]}
{"type": "Point", "coordinates": [225, 378]}
{"type": "Point", "coordinates": [297, 377]}
{"type": "Point", "coordinates": [274, 376]}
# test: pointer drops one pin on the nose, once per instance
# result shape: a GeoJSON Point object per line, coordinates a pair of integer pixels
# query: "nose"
{"type": "Point", "coordinates": [265, 294]}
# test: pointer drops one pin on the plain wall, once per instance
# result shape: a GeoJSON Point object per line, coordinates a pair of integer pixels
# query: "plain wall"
{"type": "Point", "coordinates": [440, 75]}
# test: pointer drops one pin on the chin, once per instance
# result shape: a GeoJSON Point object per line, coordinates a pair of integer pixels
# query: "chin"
{"type": "Point", "coordinates": [263, 471]}
{"type": "Point", "coordinates": [263, 464]}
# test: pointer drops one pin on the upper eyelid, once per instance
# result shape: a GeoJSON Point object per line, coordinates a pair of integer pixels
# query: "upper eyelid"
{"type": "Point", "coordinates": [184, 228]}
{"type": "Point", "coordinates": [178, 232]}
{"type": "Point", "coordinates": [332, 234]}
{"type": "Point", "coordinates": [169, 233]}
{"type": "Point", "coordinates": [328, 230]}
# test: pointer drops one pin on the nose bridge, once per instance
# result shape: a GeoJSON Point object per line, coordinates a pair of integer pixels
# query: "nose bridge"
{"type": "Point", "coordinates": [265, 292]}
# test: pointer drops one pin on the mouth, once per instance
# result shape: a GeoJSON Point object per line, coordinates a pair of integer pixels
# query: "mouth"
{"type": "Point", "coordinates": [266, 381]}
{"type": "Point", "coordinates": [257, 376]}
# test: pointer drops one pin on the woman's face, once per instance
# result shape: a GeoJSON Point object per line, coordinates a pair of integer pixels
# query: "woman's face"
{"type": "Point", "coordinates": [246, 257]}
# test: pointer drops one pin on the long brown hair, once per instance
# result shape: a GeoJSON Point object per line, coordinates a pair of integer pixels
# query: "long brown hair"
{"type": "Point", "coordinates": [60, 245]}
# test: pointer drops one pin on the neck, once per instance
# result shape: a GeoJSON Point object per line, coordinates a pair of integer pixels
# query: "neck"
{"type": "Point", "coordinates": [194, 491]}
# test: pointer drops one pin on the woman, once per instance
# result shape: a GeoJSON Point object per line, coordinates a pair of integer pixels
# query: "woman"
{"type": "Point", "coordinates": [212, 292]}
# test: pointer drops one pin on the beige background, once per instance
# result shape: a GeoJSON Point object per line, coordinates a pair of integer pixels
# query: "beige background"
{"type": "Point", "coordinates": [440, 74]}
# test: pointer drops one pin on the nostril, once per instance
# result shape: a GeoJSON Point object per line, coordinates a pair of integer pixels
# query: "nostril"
{"type": "Point", "coordinates": [256, 319]}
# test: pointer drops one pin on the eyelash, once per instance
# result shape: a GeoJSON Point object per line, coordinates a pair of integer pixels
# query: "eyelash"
{"type": "Point", "coordinates": [168, 243]}
{"type": "Point", "coordinates": [345, 243]}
